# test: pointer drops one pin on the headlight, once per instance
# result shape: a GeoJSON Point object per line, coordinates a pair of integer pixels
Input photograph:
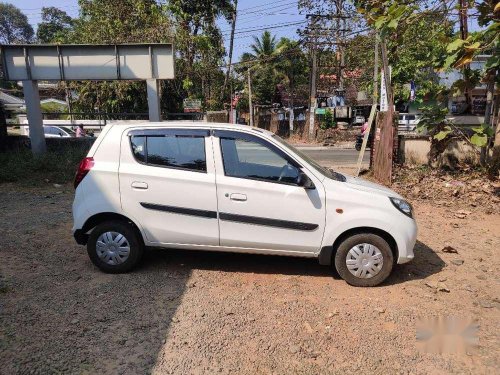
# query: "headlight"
{"type": "Point", "coordinates": [402, 206]}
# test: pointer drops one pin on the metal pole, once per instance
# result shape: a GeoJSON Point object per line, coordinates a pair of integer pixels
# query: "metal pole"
{"type": "Point", "coordinates": [312, 99]}
{"type": "Point", "coordinates": [35, 119]}
{"type": "Point", "coordinates": [250, 107]}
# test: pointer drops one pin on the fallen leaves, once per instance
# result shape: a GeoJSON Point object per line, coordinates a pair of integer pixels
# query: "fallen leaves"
{"type": "Point", "coordinates": [468, 188]}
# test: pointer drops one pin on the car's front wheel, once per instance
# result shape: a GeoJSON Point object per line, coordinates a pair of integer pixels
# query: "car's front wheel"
{"type": "Point", "coordinates": [114, 246]}
{"type": "Point", "coordinates": [364, 259]}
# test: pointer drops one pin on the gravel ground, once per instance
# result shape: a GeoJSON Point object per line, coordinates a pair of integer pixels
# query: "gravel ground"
{"type": "Point", "coordinates": [186, 312]}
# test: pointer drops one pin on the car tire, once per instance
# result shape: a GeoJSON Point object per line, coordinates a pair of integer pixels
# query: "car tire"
{"type": "Point", "coordinates": [115, 247]}
{"type": "Point", "coordinates": [364, 260]}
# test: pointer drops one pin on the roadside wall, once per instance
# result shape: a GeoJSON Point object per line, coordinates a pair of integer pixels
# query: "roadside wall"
{"type": "Point", "coordinates": [414, 150]}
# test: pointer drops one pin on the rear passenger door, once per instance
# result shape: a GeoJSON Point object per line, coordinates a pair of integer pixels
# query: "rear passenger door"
{"type": "Point", "coordinates": [167, 183]}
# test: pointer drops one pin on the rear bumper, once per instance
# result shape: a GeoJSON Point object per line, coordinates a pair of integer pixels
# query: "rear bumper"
{"type": "Point", "coordinates": [81, 238]}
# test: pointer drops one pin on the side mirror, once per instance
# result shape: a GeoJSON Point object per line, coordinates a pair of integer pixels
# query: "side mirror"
{"type": "Point", "coordinates": [305, 181]}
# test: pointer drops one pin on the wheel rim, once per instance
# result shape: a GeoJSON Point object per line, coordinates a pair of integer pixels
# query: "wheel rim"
{"type": "Point", "coordinates": [112, 248]}
{"type": "Point", "coordinates": [364, 260]}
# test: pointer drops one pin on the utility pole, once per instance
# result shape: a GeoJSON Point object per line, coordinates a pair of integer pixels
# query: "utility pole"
{"type": "Point", "coordinates": [250, 106]}
{"type": "Point", "coordinates": [231, 41]}
{"type": "Point", "coordinates": [314, 67]}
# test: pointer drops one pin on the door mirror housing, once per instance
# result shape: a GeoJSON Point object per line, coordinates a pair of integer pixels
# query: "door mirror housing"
{"type": "Point", "coordinates": [305, 181]}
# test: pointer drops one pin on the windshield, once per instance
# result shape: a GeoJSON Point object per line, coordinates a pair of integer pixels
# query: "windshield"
{"type": "Point", "coordinates": [67, 130]}
{"type": "Point", "coordinates": [323, 170]}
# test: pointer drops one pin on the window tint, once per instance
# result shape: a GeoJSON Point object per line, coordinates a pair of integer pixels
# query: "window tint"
{"type": "Point", "coordinates": [247, 159]}
{"type": "Point", "coordinates": [48, 130]}
{"type": "Point", "coordinates": [184, 152]}
{"type": "Point", "coordinates": [139, 148]}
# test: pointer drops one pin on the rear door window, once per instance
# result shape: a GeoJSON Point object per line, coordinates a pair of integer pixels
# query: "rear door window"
{"type": "Point", "coordinates": [172, 151]}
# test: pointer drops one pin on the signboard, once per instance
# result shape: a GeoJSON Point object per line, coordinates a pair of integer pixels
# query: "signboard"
{"type": "Point", "coordinates": [320, 111]}
{"type": "Point", "coordinates": [87, 62]}
{"type": "Point", "coordinates": [192, 105]}
{"type": "Point", "coordinates": [384, 106]}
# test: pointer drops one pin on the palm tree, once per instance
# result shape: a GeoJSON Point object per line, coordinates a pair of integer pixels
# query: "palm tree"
{"type": "Point", "coordinates": [264, 47]}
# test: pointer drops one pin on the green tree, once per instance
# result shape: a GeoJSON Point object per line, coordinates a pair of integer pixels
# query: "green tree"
{"type": "Point", "coordinates": [200, 50]}
{"type": "Point", "coordinates": [117, 21]}
{"type": "Point", "coordinates": [262, 62]}
{"type": "Point", "coordinates": [292, 67]}
{"type": "Point", "coordinates": [14, 25]}
{"type": "Point", "coordinates": [55, 25]}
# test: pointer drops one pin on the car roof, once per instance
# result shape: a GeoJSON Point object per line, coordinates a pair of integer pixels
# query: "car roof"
{"type": "Point", "coordinates": [193, 125]}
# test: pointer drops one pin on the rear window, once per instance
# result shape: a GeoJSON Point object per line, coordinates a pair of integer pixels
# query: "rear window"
{"type": "Point", "coordinates": [172, 151]}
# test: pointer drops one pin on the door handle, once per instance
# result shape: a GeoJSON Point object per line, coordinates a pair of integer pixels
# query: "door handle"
{"type": "Point", "coordinates": [238, 197]}
{"type": "Point", "coordinates": [139, 185]}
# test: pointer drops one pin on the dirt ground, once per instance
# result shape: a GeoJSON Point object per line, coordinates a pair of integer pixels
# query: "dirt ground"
{"type": "Point", "coordinates": [184, 312]}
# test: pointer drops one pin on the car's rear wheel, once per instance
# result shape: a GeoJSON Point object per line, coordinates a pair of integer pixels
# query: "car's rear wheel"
{"type": "Point", "coordinates": [114, 246]}
{"type": "Point", "coordinates": [364, 259]}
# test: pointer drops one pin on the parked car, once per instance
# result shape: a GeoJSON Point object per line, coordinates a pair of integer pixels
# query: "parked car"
{"type": "Point", "coordinates": [359, 120]}
{"type": "Point", "coordinates": [222, 187]}
{"type": "Point", "coordinates": [51, 131]}
{"type": "Point", "coordinates": [408, 122]}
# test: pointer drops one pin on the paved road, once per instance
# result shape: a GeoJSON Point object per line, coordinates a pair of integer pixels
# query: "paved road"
{"type": "Point", "coordinates": [329, 156]}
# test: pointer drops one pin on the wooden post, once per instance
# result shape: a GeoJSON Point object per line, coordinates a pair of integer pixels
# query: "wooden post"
{"type": "Point", "coordinates": [372, 111]}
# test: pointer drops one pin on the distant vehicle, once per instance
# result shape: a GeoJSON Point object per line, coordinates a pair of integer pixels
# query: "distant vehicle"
{"type": "Point", "coordinates": [51, 131]}
{"type": "Point", "coordinates": [58, 132]}
{"type": "Point", "coordinates": [359, 120]}
{"type": "Point", "coordinates": [408, 122]}
{"type": "Point", "coordinates": [226, 187]}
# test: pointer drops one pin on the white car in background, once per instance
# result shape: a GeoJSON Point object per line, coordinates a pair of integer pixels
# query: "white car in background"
{"type": "Point", "coordinates": [225, 187]}
{"type": "Point", "coordinates": [408, 122]}
{"type": "Point", "coordinates": [51, 131]}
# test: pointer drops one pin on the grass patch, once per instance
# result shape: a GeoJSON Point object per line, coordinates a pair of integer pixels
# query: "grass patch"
{"type": "Point", "coordinates": [58, 166]}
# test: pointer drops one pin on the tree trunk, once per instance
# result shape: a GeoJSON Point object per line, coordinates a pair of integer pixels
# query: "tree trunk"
{"type": "Point", "coordinates": [494, 165]}
{"type": "Point", "coordinates": [490, 88]}
{"type": "Point", "coordinates": [385, 130]}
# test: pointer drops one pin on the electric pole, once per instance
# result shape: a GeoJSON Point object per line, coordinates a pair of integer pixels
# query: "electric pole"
{"type": "Point", "coordinates": [250, 106]}
{"type": "Point", "coordinates": [314, 67]}
{"type": "Point", "coordinates": [231, 41]}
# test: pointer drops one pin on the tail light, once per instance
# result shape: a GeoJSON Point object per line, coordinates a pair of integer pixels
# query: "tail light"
{"type": "Point", "coordinates": [85, 166]}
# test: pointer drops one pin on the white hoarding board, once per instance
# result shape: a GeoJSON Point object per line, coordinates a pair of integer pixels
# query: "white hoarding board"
{"type": "Point", "coordinates": [88, 62]}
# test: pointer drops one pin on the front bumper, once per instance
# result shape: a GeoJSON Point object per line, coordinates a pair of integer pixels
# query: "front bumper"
{"type": "Point", "coordinates": [406, 241]}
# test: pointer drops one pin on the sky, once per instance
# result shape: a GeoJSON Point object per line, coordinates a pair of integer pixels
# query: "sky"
{"type": "Point", "coordinates": [252, 16]}
{"type": "Point", "coordinates": [281, 17]}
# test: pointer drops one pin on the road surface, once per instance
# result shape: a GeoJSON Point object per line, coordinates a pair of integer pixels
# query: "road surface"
{"type": "Point", "coordinates": [329, 156]}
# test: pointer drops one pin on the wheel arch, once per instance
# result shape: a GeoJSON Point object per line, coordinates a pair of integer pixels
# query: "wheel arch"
{"type": "Point", "coordinates": [328, 252]}
{"type": "Point", "coordinates": [81, 235]}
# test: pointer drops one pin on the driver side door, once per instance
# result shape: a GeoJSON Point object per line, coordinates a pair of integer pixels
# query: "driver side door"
{"type": "Point", "coordinates": [261, 205]}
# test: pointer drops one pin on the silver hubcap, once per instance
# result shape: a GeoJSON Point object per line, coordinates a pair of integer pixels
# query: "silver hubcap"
{"type": "Point", "coordinates": [364, 260]}
{"type": "Point", "coordinates": [112, 248]}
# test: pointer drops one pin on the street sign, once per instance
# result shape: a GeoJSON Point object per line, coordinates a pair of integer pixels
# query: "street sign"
{"type": "Point", "coordinates": [192, 105]}
{"type": "Point", "coordinates": [320, 111]}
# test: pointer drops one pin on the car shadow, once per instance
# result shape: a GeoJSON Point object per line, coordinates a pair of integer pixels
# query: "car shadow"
{"type": "Point", "coordinates": [425, 264]}
{"type": "Point", "coordinates": [235, 262]}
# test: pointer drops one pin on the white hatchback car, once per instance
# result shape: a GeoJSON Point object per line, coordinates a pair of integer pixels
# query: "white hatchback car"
{"type": "Point", "coordinates": [232, 188]}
